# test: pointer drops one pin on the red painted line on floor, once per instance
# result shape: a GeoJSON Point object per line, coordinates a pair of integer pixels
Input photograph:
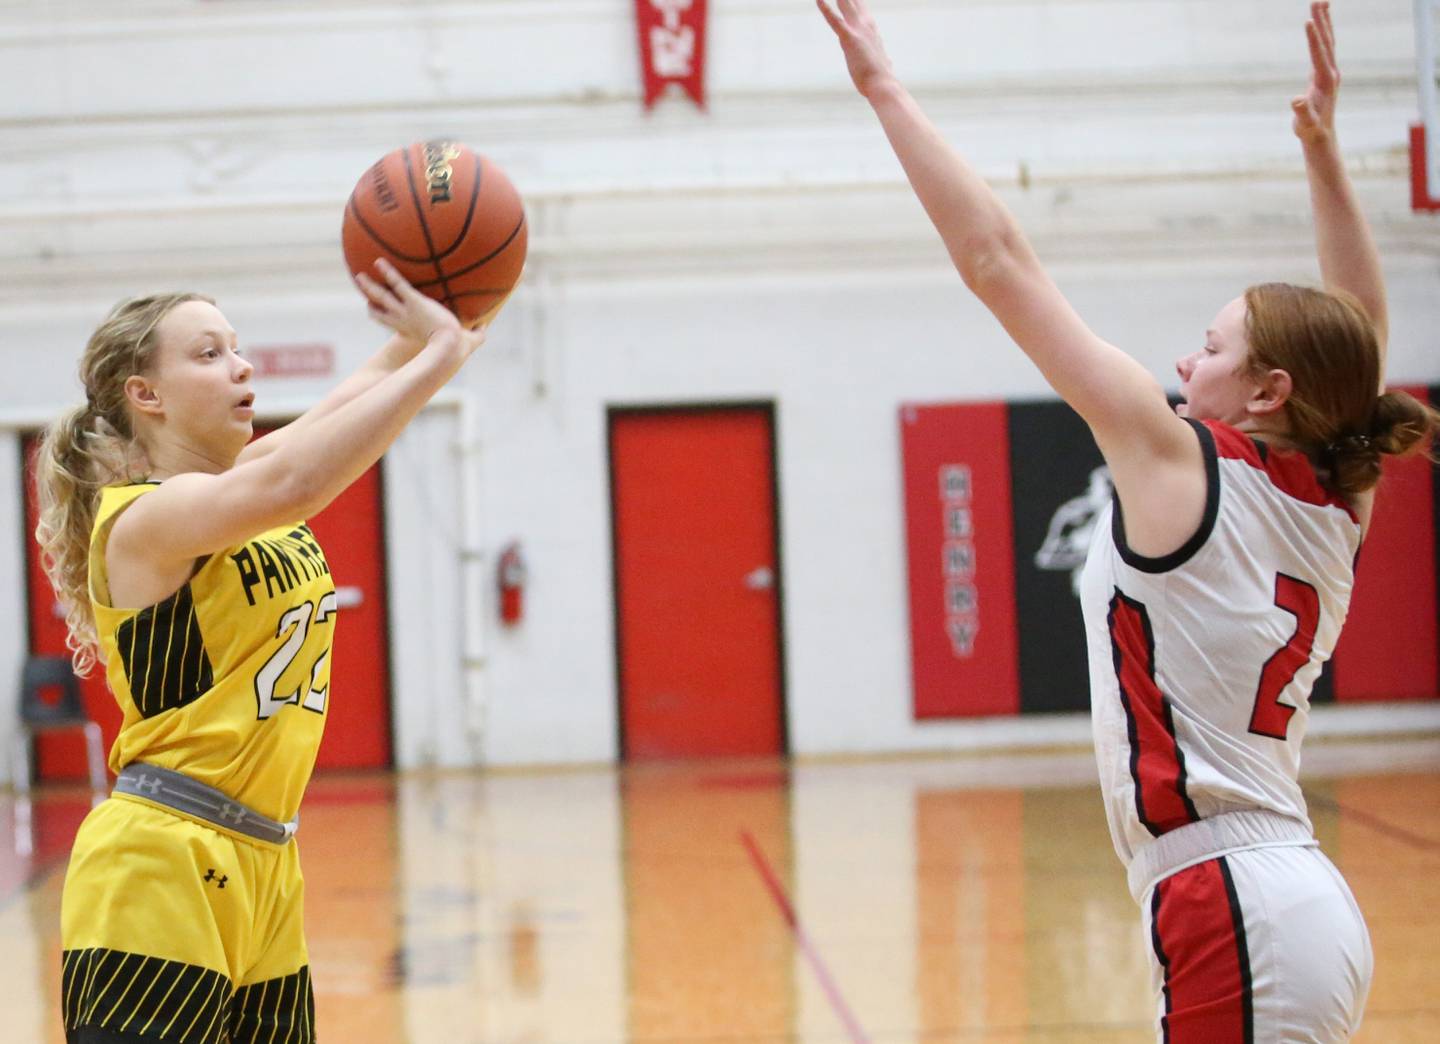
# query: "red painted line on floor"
{"type": "Point", "coordinates": [787, 910]}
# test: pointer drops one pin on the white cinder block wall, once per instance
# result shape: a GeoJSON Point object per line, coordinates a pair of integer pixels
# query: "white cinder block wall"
{"type": "Point", "coordinates": [765, 249]}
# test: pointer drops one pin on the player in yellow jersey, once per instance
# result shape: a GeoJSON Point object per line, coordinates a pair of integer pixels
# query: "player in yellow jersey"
{"type": "Point", "coordinates": [179, 550]}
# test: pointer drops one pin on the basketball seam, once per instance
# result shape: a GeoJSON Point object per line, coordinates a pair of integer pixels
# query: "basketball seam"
{"type": "Point", "coordinates": [469, 214]}
{"type": "Point", "coordinates": [425, 229]}
{"type": "Point", "coordinates": [483, 261]}
{"type": "Point", "coordinates": [390, 250]}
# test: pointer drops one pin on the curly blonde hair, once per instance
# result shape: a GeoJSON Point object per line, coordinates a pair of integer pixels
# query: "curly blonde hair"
{"type": "Point", "coordinates": [88, 448]}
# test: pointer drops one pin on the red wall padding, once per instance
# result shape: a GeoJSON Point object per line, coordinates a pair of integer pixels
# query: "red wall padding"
{"type": "Point", "coordinates": [1389, 649]}
{"type": "Point", "coordinates": [959, 532]}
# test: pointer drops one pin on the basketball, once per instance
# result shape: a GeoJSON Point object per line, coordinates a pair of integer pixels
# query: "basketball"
{"type": "Point", "coordinates": [448, 219]}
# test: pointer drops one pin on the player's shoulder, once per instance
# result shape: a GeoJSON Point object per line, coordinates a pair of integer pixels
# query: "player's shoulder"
{"type": "Point", "coordinates": [1287, 473]}
{"type": "Point", "coordinates": [116, 498]}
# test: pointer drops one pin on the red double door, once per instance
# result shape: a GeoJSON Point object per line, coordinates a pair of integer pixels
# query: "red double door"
{"type": "Point", "coordinates": [357, 734]}
{"type": "Point", "coordinates": [697, 592]}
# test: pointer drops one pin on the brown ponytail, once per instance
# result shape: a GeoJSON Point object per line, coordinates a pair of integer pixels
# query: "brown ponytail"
{"type": "Point", "coordinates": [1400, 425]}
{"type": "Point", "coordinates": [1326, 343]}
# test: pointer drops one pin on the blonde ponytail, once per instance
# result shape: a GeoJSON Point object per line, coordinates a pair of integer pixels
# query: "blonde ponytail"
{"type": "Point", "coordinates": [88, 448]}
{"type": "Point", "coordinates": [75, 460]}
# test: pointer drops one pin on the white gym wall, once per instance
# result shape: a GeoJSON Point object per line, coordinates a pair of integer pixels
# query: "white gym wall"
{"type": "Point", "coordinates": [765, 249]}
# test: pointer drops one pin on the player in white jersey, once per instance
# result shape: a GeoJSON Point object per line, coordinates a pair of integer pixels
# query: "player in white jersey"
{"type": "Point", "coordinates": [1217, 588]}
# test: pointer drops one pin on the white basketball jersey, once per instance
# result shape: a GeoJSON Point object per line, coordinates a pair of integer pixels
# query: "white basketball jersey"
{"type": "Point", "coordinates": [1202, 662]}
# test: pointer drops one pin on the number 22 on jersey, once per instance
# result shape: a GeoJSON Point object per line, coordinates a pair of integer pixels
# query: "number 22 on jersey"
{"type": "Point", "coordinates": [297, 621]}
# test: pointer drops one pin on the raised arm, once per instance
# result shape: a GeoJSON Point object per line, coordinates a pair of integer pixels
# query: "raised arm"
{"type": "Point", "coordinates": [394, 354]}
{"type": "Point", "coordinates": [1349, 260]}
{"type": "Point", "coordinates": [1153, 455]}
{"type": "Point", "coordinates": [196, 514]}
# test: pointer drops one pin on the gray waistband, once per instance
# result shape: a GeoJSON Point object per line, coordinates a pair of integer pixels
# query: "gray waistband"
{"type": "Point", "coordinates": [1218, 835]}
{"type": "Point", "coordinates": [178, 791]}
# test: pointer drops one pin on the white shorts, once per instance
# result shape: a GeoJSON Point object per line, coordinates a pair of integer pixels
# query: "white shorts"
{"type": "Point", "coordinates": [1262, 945]}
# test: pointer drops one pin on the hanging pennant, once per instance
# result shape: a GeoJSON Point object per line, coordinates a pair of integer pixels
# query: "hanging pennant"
{"type": "Point", "coordinates": [672, 47]}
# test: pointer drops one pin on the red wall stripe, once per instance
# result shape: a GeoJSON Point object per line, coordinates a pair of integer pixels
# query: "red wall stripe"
{"type": "Point", "coordinates": [1387, 650]}
{"type": "Point", "coordinates": [960, 537]}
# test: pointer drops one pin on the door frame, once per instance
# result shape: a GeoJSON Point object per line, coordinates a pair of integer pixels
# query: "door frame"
{"type": "Point", "coordinates": [767, 407]}
{"type": "Point", "coordinates": [274, 422]}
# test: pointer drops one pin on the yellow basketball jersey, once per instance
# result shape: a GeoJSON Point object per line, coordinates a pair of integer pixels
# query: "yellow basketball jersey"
{"type": "Point", "coordinates": [228, 679]}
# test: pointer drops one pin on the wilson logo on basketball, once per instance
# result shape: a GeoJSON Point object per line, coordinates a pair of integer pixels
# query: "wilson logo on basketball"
{"type": "Point", "coordinates": [438, 173]}
{"type": "Point", "coordinates": [384, 194]}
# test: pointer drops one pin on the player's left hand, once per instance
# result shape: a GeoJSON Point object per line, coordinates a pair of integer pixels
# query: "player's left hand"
{"type": "Point", "coordinates": [1315, 109]}
{"type": "Point", "coordinates": [859, 38]}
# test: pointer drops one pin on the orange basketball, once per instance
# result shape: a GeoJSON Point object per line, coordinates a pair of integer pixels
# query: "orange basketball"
{"type": "Point", "coordinates": [448, 219]}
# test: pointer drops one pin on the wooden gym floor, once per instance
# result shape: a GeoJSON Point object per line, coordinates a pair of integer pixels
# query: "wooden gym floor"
{"type": "Point", "coordinates": [965, 898]}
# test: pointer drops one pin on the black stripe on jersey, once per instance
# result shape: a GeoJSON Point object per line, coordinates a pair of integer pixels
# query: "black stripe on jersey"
{"type": "Point", "coordinates": [144, 997]}
{"type": "Point", "coordinates": [1160, 956]}
{"type": "Point", "coordinates": [164, 655]}
{"type": "Point", "coordinates": [1237, 917]}
{"type": "Point", "coordinates": [1186, 551]}
{"type": "Point", "coordinates": [276, 1009]}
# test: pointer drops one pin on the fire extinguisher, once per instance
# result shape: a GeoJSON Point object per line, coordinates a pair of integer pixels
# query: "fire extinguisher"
{"type": "Point", "coordinates": [510, 575]}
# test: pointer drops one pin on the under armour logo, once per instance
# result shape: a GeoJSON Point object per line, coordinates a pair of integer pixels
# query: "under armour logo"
{"type": "Point", "coordinates": [219, 881]}
{"type": "Point", "coordinates": [232, 813]}
{"type": "Point", "coordinates": [148, 785]}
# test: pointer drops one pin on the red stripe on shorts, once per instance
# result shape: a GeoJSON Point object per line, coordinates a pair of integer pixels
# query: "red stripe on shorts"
{"type": "Point", "coordinates": [1198, 933]}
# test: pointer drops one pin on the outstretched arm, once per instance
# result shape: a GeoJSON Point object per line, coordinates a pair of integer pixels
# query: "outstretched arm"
{"type": "Point", "coordinates": [195, 514]}
{"type": "Point", "coordinates": [394, 354]}
{"type": "Point", "coordinates": [1348, 258]}
{"type": "Point", "coordinates": [1122, 403]}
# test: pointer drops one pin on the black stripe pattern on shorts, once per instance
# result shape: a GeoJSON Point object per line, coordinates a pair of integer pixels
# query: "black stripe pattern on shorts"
{"type": "Point", "coordinates": [280, 1010]}
{"type": "Point", "coordinates": [135, 994]}
{"type": "Point", "coordinates": [164, 655]}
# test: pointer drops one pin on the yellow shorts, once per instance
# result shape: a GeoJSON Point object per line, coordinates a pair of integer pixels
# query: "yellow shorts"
{"type": "Point", "coordinates": [182, 931]}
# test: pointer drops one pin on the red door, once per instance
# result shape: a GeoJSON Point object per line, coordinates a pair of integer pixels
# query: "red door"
{"type": "Point", "coordinates": [350, 531]}
{"type": "Point", "coordinates": [696, 577]}
{"type": "Point", "coordinates": [357, 734]}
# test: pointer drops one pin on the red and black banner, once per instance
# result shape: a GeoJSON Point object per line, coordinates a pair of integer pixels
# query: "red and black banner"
{"type": "Point", "coordinates": [1001, 500]}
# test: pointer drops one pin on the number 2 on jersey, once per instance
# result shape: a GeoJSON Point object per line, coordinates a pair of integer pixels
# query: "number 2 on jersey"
{"type": "Point", "coordinates": [1299, 599]}
{"type": "Point", "coordinates": [297, 621]}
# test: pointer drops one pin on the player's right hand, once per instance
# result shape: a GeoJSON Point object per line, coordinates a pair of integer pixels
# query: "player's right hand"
{"type": "Point", "coordinates": [399, 306]}
{"type": "Point", "coordinates": [1315, 109]}
{"type": "Point", "coordinates": [860, 40]}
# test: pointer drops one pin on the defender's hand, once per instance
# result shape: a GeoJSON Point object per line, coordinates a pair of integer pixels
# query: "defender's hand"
{"type": "Point", "coordinates": [860, 40]}
{"type": "Point", "coordinates": [1315, 109]}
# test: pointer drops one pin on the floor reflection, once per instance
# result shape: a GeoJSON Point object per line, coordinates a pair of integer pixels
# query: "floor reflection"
{"type": "Point", "coordinates": [965, 898]}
